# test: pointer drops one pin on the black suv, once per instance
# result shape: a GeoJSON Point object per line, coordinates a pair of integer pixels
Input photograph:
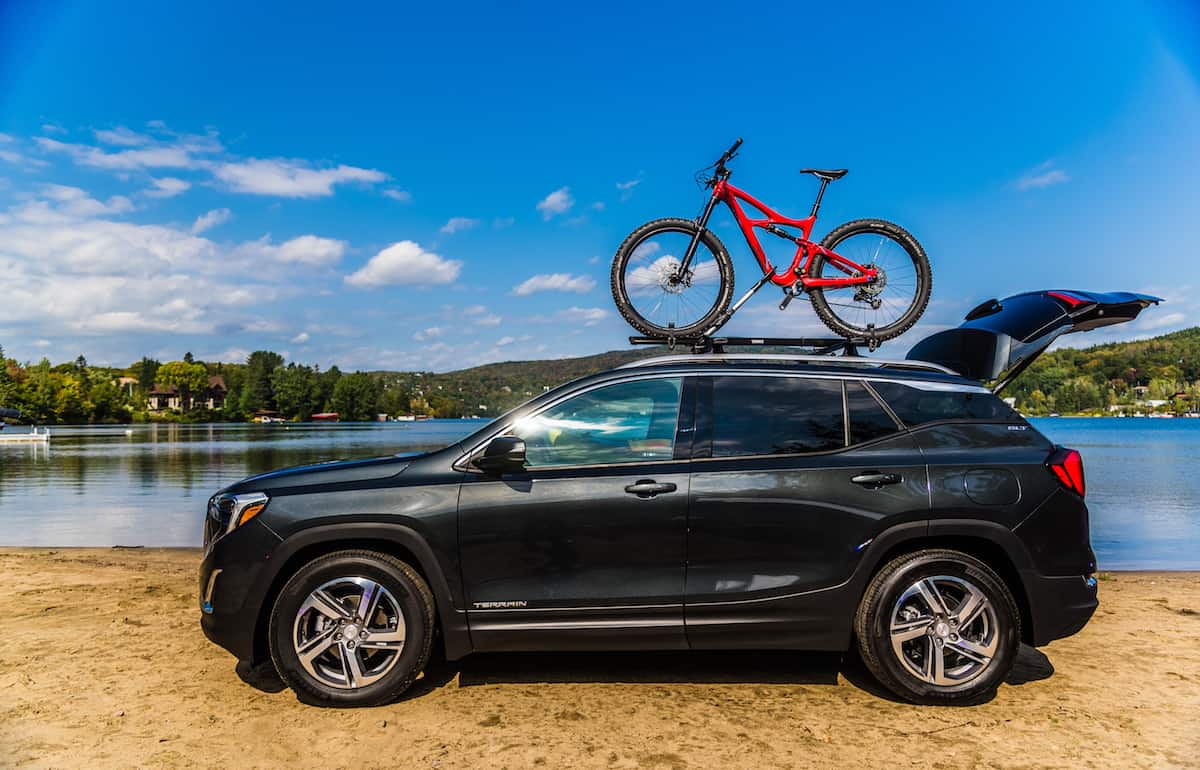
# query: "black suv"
{"type": "Point", "coordinates": [730, 501]}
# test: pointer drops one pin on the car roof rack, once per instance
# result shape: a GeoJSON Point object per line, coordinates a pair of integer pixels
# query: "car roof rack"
{"type": "Point", "coordinates": [819, 350]}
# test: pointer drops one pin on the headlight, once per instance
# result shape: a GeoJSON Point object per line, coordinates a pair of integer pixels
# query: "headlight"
{"type": "Point", "coordinates": [229, 512]}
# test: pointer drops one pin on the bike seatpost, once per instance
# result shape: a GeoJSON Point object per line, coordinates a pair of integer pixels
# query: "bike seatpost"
{"type": "Point", "coordinates": [820, 194]}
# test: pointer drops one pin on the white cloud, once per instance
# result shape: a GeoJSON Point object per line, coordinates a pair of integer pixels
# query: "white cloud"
{"type": "Point", "coordinates": [121, 137]}
{"type": "Point", "coordinates": [1043, 175]}
{"type": "Point", "coordinates": [6, 138]}
{"type": "Point", "coordinates": [579, 284]}
{"type": "Point", "coordinates": [491, 319]}
{"type": "Point", "coordinates": [598, 206]}
{"type": "Point", "coordinates": [428, 334]}
{"type": "Point", "coordinates": [626, 188]}
{"type": "Point", "coordinates": [126, 160]}
{"type": "Point", "coordinates": [405, 263]}
{"type": "Point", "coordinates": [300, 338]}
{"type": "Point", "coordinates": [502, 222]}
{"type": "Point", "coordinates": [505, 341]}
{"type": "Point", "coordinates": [588, 316]}
{"type": "Point", "coordinates": [210, 220]}
{"type": "Point", "coordinates": [167, 187]}
{"type": "Point", "coordinates": [557, 202]}
{"type": "Point", "coordinates": [64, 202]}
{"type": "Point", "coordinates": [404, 196]}
{"type": "Point", "coordinates": [310, 250]}
{"type": "Point", "coordinates": [290, 178]}
{"type": "Point", "coordinates": [458, 224]}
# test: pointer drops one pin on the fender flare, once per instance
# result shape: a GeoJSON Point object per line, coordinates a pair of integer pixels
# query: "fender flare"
{"type": "Point", "coordinates": [453, 620]}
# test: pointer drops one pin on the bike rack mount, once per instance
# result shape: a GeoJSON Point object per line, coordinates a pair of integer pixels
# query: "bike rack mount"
{"type": "Point", "coordinates": [821, 346]}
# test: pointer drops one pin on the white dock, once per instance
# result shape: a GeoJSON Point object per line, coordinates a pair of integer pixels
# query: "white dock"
{"type": "Point", "coordinates": [34, 436]}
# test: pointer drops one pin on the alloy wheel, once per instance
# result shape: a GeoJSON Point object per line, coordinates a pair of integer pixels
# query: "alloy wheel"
{"type": "Point", "coordinates": [944, 630]}
{"type": "Point", "coordinates": [349, 633]}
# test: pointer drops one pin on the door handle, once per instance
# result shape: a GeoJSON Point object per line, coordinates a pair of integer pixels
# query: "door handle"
{"type": "Point", "coordinates": [876, 480]}
{"type": "Point", "coordinates": [647, 488]}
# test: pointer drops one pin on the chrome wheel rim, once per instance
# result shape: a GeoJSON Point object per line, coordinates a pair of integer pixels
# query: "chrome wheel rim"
{"type": "Point", "coordinates": [944, 631]}
{"type": "Point", "coordinates": [349, 633]}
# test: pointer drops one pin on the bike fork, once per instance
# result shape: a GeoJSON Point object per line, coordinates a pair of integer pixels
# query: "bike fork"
{"type": "Point", "coordinates": [703, 225]}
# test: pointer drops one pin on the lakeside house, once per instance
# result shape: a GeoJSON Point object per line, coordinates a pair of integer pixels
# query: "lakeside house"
{"type": "Point", "coordinates": [168, 397]}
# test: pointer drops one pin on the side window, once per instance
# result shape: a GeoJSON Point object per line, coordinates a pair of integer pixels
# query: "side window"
{"type": "Point", "coordinates": [622, 423]}
{"type": "Point", "coordinates": [868, 420]}
{"type": "Point", "coordinates": [915, 406]}
{"type": "Point", "coordinates": [775, 415]}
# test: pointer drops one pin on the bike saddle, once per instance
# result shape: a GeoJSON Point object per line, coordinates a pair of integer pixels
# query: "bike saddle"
{"type": "Point", "coordinates": [828, 175]}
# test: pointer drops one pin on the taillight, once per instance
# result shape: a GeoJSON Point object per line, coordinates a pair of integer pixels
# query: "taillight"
{"type": "Point", "coordinates": [1067, 467]}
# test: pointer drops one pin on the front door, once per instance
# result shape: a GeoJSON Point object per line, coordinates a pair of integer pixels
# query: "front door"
{"type": "Point", "coordinates": [786, 493]}
{"type": "Point", "coordinates": [585, 548]}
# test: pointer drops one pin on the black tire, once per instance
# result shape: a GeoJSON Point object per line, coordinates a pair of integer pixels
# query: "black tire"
{"type": "Point", "coordinates": [626, 251]}
{"type": "Point", "coordinates": [415, 603]}
{"type": "Point", "coordinates": [922, 271]}
{"type": "Point", "coordinates": [872, 627]}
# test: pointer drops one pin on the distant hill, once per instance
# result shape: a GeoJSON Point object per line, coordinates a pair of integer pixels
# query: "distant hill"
{"type": "Point", "coordinates": [1067, 380]}
{"type": "Point", "coordinates": [1120, 374]}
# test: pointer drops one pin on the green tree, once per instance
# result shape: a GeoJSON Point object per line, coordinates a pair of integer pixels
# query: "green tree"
{"type": "Point", "coordinates": [145, 371]}
{"type": "Point", "coordinates": [296, 391]}
{"type": "Point", "coordinates": [189, 378]}
{"type": "Point", "coordinates": [257, 393]}
{"type": "Point", "coordinates": [355, 396]}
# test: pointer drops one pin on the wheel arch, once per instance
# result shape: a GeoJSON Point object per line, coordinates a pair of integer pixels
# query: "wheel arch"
{"type": "Point", "coordinates": [991, 543]}
{"type": "Point", "coordinates": [401, 542]}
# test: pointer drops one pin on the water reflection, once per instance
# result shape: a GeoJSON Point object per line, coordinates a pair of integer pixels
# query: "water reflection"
{"type": "Point", "coordinates": [147, 484]}
{"type": "Point", "coordinates": [102, 486]}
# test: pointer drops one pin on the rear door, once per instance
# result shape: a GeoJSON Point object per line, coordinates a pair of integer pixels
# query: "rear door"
{"type": "Point", "coordinates": [786, 493]}
{"type": "Point", "coordinates": [999, 338]}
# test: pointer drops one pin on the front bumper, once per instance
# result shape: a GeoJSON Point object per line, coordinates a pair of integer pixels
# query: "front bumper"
{"type": "Point", "coordinates": [1060, 606]}
{"type": "Point", "coordinates": [234, 579]}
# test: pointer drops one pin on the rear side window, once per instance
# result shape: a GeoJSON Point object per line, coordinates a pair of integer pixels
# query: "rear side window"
{"type": "Point", "coordinates": [868, 420]}
{"type": "Point", "coordinates": [776, 415]}
{"type": "Point", "coordinates": [915, 406]}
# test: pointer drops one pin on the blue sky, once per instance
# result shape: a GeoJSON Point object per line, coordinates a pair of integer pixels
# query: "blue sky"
{"type": "Point", "coordinates": [429, 187]}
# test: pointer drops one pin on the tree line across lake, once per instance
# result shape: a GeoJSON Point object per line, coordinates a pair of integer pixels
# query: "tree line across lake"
{"type": "Point", "coordinates": [1119, 377]}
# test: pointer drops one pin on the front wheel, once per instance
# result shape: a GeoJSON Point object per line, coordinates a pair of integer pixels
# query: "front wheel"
{"type": "Point", "coordinates": [886, 307]}
{"type": "Point", "coordinates": [652, 294]}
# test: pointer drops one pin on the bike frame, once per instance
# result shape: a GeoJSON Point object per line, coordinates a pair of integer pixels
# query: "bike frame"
{"type": "Point", "coordinates": [806, 250]}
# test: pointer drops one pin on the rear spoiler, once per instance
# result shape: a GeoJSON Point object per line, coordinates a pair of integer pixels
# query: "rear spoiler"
{"type": "Point", "coordinates": [1000, 338]}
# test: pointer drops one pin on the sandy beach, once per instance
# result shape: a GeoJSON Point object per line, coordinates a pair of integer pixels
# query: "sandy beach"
{"type": "Point", "coordinates": [104, 665]}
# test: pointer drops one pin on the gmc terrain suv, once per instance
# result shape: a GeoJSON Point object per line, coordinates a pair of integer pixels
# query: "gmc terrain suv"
{"type": "Point", "coordinates": [721, 501]}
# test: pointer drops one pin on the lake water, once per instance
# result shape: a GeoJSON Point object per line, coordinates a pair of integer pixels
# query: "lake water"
{"type": "Point", "coordinates": [100, 486]}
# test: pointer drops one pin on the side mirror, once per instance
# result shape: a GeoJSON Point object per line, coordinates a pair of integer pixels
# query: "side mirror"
{"type": "Point", "coordinates": [503, 454]}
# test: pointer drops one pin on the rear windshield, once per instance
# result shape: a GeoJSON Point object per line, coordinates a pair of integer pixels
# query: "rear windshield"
{"type": "Point", "coordinates": [915, 406]}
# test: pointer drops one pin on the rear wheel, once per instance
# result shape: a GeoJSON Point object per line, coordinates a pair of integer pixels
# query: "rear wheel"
{"type": "Point", "coordinates": [651, 293]}
{"type": "Point", "coordinates": [891, 304]}
{"type": "Point", "coordinates": [938, 627]}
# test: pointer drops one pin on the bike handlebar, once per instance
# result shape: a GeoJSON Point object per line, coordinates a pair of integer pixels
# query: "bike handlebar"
{"type": "Point", "coordinates": [729, 153]}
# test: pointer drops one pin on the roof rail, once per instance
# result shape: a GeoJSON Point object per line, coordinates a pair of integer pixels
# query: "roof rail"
{"type": "Point", "coordinates": [790, 358]}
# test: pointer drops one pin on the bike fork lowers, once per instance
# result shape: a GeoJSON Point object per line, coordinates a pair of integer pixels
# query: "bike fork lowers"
{"type": "Point", "coordinates": [702, 225]}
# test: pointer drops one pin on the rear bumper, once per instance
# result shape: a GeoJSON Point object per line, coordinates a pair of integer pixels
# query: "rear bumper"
{"type": "Point", "coordinates": [1060, 606]}
{"type": "Point", "coordinates": [233, 582]}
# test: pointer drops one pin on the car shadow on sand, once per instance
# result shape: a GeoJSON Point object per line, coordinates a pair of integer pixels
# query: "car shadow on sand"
{"type": "Point", "coordinates": [672, 667]}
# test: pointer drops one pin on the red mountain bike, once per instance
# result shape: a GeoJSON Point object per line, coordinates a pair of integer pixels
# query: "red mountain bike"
{"type": "Point", "coordinates": [673, 277]}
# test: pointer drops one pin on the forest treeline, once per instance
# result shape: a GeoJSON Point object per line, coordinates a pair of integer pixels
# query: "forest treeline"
{"type": "Point", "coordinates": [1118, 377]}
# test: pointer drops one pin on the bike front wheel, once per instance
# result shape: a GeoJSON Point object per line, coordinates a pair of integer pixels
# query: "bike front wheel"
{"type": "Point", "coordinates": [888, 306]}
{"type": "Point", "coordinates": [651, 292]}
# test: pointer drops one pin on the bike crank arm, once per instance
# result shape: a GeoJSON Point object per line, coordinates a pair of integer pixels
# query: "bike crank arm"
{"type": "Point", "coordinates": [724, 317]}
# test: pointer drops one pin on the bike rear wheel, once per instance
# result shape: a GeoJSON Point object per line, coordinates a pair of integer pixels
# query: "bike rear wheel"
{"type": "Point", "coordinates": [887, 307]}
{"type": "Point", "coordinates": [651, 294]}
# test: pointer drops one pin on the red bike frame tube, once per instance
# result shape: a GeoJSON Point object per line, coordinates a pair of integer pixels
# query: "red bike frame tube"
{"type": "Point", "coordinates": [730, 195]}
